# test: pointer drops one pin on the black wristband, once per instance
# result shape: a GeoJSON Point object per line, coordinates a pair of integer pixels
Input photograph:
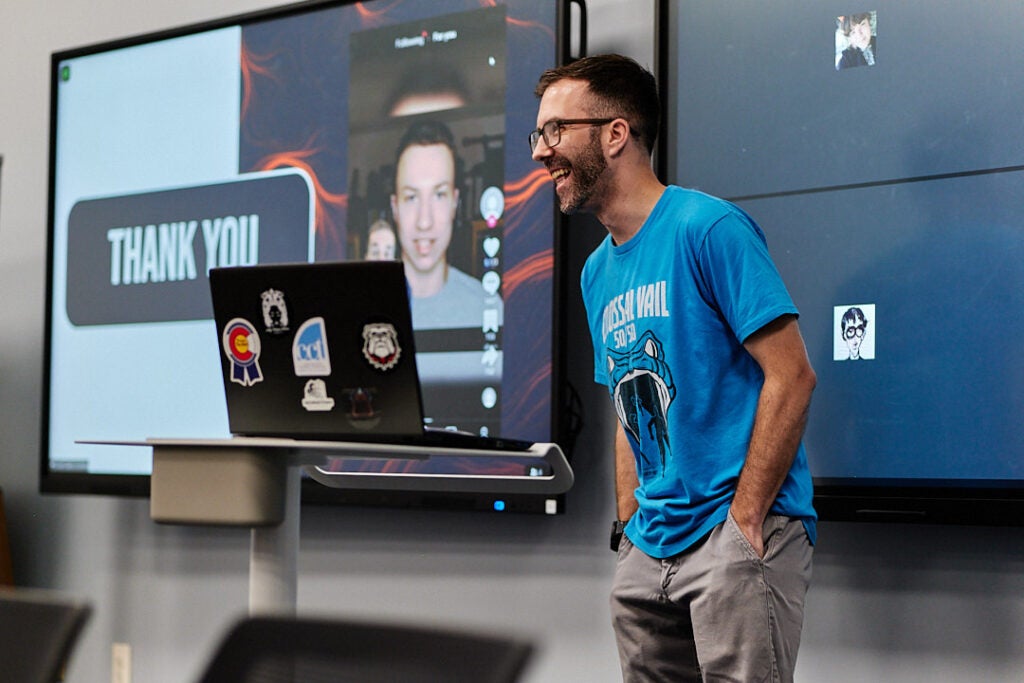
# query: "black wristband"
{"type": "Point", "coordinates": [617, 528]}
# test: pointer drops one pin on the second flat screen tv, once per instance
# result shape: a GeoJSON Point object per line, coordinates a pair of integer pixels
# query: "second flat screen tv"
{"type": "Point", "coordinates": [881, 148]}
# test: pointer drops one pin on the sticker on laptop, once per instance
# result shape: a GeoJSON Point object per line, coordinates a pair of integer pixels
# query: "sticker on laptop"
{"type": "Point", "coordinates": [275, 312]}
{"type": "Point", "coordinates": [315, 398]}
{"type": "Point", "coordinates": [361, 404]}
{"type": "Point", "coordinates": [242, 348]}
{"type": "Point", "coordinates": [310, 354]}
{"type": "Point", "coordinates": [360, 411]}
{"type": "Point", "coordinates": [380, 345]}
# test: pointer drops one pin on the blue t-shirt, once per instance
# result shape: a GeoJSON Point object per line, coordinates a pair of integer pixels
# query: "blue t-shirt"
{"type": "Point", "coordinates": [668, 313]}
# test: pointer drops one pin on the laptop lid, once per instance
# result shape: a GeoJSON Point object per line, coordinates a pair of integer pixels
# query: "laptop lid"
{"type": "Point", "coordinates": [321, 350]}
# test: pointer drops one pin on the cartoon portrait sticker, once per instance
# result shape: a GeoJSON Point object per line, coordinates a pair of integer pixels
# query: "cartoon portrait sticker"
{"type": "Point", "coordinates": [854, 336]}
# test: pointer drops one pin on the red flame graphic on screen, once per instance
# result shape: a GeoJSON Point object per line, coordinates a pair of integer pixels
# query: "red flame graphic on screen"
{"type": "Point", "coordinates": [521, 23]}
{"type": "Point", "coordinates": [519, 192]}
{"type": "Point", "coordinates": [324, 199]}
{"type": "Point", "coordinates": [539, 266]}
{"type": "Point", "coordinates": [327, 229]}
{"type": "Point", "coordinates": [527, 409]}
{"type": "Point", "coordinates": [253, 65]}
{"type": "Point", "coordinates": [370, 16]}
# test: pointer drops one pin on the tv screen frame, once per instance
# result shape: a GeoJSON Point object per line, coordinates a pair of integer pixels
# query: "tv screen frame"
{"type": "Point", "coordinates": [776, 67]}
{"type": "Point", "coordinates": [270, 87]}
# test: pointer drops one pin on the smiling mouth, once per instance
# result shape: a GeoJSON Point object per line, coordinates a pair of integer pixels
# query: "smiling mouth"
{"type": "Point", "coordinates": [423, 247]}
{"type": "Point", "coordinates": [559, 173]}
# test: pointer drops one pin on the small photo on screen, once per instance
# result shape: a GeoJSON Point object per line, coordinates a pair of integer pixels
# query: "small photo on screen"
{"type": "Point", "coordinates": [855, 39]}
{"type": "Point", "coordinates": [854, 337]}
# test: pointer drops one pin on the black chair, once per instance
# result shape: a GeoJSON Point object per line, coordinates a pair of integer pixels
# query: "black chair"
{"type": "Point", "coordinates": [38, 631]}
{"type": "Point", "coordinates": [304, 650]}
{"type": "Point", "coordinates": [6, 567]}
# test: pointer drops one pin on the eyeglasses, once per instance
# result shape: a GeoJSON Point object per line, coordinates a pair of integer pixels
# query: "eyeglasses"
{"type": "Point", "coordinates": [552, 130]}
{"type": "Point", "coordinates": [857, 331]}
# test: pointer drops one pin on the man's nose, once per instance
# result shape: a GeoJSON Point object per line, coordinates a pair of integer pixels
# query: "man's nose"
{"type": "Point", "coordinates": [541, 150]}
{"type": "Point", "coordinates": [425, 216]}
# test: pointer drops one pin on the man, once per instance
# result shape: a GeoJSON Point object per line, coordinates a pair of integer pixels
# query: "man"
{"type": "Point", "coordinates": [696, 338]}
{"type": "Point", "coordinates": [423, 207]}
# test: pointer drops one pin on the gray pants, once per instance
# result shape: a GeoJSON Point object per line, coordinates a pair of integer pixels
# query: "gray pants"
{"type": "Point", "coordinates": [715, 612]}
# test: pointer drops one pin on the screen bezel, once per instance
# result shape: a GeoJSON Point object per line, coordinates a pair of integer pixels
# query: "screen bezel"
{"type": "Point", "coordinates": [981, 502]}
{"type": "Point", "coordinates": [131, 485]}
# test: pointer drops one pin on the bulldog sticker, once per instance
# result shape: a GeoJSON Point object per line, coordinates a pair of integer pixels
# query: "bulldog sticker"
{"type": "Point", "coordinates": [380, 345]}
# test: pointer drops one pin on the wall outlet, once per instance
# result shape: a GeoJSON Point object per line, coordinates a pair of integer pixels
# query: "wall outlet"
{"type": "Point", "coordinates": [121, 663]}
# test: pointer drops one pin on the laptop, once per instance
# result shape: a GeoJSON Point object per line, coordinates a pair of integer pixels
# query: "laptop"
{"type": "Point", "coordinates": [325, 351]}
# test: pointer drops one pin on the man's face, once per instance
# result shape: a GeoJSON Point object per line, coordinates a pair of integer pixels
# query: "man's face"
{"type": "Point", "coordinates": [577, 162]}
{"type": "Point", "coordinates": [860, 34]}
{"type": "Point", "coordinates": [424, 205]}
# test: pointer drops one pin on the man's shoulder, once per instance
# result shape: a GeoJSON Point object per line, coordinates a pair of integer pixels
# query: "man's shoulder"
{"type": "Point", "coordinates": [689, 214]}
{"type": "Point", "coordinates": [459, 279]}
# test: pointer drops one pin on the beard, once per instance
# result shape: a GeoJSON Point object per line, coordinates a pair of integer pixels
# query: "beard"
{"type": "Point", "coordinates": [585, 175]}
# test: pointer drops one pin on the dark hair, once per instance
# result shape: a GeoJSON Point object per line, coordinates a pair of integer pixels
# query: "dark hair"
{"type": "Point", "coordinates": [428, 133]}
{"type": "Point", "coordinates": [852, 315]}
{"type": "Point", "coordinates": [619, 86]}
{"type": "Point", "coordinates": [851, 20]}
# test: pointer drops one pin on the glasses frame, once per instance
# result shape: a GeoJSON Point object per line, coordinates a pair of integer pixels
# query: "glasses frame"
{"type": "Point", "coordinates": [855, 331]}
{"type": "Point", "coordinates": [553, 128]}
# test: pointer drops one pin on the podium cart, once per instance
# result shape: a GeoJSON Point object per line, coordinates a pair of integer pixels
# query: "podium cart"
{"type": "Point", "coordinates": [255, 482]}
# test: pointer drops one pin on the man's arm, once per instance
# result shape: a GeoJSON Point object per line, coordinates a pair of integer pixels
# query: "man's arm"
{"type": "Point", "coordinates": [779, 424]}
{"type": "Point", "coordinates": [625, 475]}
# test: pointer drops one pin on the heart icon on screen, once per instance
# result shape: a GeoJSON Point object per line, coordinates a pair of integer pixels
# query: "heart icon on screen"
{"type": "Point", "coordinates": [491, 246]}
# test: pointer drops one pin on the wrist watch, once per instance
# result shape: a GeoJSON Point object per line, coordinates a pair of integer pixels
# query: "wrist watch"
{"type": "Point", "coordinates": [617, 527]}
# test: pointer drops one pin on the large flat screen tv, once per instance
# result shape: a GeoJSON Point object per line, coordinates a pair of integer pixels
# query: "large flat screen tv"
{"type": "Point", "coordinates": [881, 148]}
{"type": "Point", "coordinates": [275, 137]}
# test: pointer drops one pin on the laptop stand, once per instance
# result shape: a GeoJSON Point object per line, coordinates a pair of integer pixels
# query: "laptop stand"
{"type": "Point", "coordinates": [256, 482]}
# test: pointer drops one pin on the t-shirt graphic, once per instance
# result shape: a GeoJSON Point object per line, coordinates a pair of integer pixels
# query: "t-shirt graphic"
{"type": "Point", "coordinates": [643, 391]}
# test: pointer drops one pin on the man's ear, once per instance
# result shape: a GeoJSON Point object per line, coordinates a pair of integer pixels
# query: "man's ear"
{"type": "Point", "coordinates": [618, 136]}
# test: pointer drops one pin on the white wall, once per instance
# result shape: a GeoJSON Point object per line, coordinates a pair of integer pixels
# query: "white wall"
{"type": "Point", "coordinates": [889, 603]}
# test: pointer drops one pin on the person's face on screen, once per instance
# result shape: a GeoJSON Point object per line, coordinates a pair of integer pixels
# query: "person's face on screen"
{"type": "Point", "coordinates": [576, 163]}
{"type": "Point", "coordinates": [380, 245]}
{"type": "Point", "coordinates": [860, 34]}
{"type": "Point", "coordinates": [424, 206]}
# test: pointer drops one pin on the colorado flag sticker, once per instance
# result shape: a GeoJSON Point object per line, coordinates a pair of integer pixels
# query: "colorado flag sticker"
{"type": "Point", "coordinates": [242, 347]}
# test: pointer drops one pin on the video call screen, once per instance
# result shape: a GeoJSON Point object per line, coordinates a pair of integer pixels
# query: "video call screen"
{"type": "Point", "coordinates": [881, 149]}
{"type": "Point", "coordinates": [276, 138]}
